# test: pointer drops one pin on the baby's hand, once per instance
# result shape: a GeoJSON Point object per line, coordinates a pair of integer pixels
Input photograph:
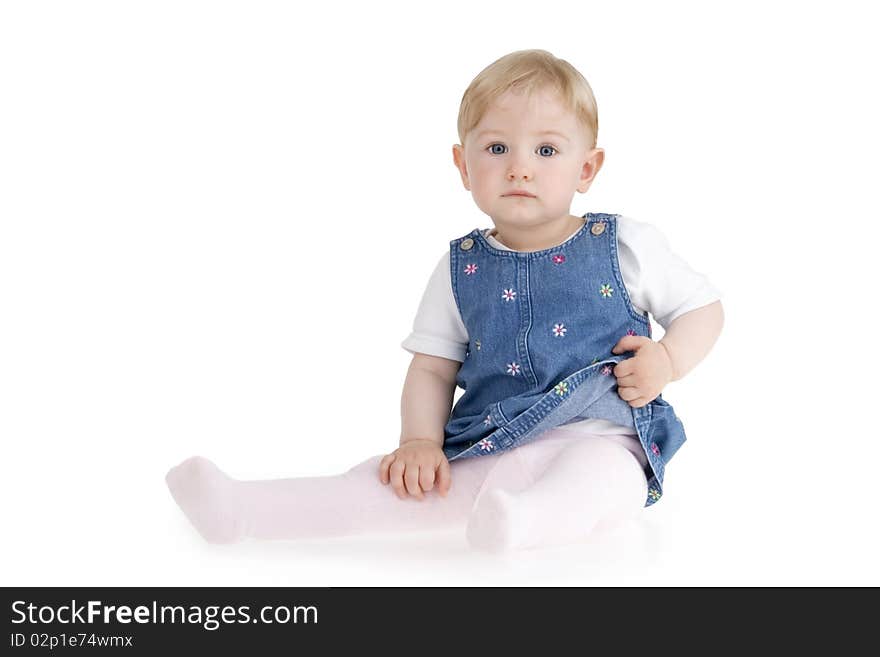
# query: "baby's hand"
{"type": "Point", "coordinates": [414, 467]}
{"type": "Point", "coordinates": [641, 378]}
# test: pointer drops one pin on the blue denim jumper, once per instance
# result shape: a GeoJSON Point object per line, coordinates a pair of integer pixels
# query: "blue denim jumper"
{"type": "Point", "coordinates": [541, 326]}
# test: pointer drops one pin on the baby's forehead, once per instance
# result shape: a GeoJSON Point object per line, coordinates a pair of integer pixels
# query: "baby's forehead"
{"type": "Point", "coordinates": [535, 115]}
{"type": "Point", "coordinates": [548, 108]}
{"type": "Point", "coordinates": [570, 128]}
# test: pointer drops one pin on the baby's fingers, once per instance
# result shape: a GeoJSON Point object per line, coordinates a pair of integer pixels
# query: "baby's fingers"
{"type": "Point", "coordinates": [384, 465]}
{"type": "Point", "coordinates": [411, 478]}
{"type": "Point", "coordinates": [444, 477]}
{"type": "Point", "coordinates": [426, 477]}
{"type": "Point", "coordinates": [395, 474]}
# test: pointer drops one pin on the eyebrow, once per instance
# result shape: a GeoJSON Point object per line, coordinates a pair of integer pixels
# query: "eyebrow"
{"type": "Point", "coordinates": [482, 133]}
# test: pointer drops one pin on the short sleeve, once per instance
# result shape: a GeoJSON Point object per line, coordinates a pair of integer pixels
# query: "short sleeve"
{"type": "Point", "coordinates": [437, 327]}
{"type": "Point", "coordinates": [658, 279]}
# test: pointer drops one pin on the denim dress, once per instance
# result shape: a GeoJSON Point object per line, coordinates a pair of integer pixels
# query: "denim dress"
{"type": "Point", "coordinates": [541, 326]}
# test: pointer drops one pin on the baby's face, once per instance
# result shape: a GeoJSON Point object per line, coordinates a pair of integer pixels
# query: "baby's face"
{"type": "Point", "coordinates": [511, 149]}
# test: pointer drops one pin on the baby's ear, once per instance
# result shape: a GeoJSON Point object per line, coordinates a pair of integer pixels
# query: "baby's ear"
{"type": "Point", "coordinates": [457, 155]}
{"type": "Point", "coordinates": [594, 159]}
{"type": "Point", "coordinates": [593, 162]}
{"type": "Point", "coordinates": [460, 164]}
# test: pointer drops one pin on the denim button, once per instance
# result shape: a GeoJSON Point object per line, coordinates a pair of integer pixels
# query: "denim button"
{"type": "Point", "coordinates": [598, 228]}
{"type": "Point", "coordinates": [467, 244]}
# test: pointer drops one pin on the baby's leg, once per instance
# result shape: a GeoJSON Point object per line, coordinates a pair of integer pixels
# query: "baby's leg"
{"type": "Point", "coordinates": [225, 510]}
{"type": "Point", "coordinates": [579, 481]}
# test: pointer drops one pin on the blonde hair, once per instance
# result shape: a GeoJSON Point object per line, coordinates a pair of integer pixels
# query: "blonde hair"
{"type": "Point", "coordinates": [531, 71]}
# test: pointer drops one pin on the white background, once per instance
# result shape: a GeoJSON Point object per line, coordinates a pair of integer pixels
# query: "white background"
{"type": "Point", "coordinates": [218, 219]}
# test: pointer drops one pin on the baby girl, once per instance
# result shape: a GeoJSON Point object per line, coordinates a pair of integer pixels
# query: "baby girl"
{"type": "Point", "coordinates": [543, 322]}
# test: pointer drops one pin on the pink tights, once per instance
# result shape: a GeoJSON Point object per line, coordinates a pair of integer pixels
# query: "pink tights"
{"type": "Point", "coordinates": [552, 491]}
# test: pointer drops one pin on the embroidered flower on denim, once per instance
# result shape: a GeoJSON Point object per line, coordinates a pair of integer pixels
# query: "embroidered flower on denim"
{"type": "Point", "coordinates": [654, 494]}
{"type": "Point", "coordinates": [488, 420]}
{"type": "Point", "coordinates": [561, 388]}
{"type": "Point", "coordinates": [606, 370]}
{"type": "Point", "coordinates": [655, 450]}
{"type": "Point", "coordinates": [606, 290]}
{"type": "Point", "coordinates": [470, 269]}
{"type": "Point", "coordinates": [512, 368]}
{"type": "Point", "coordinates": [508, 295]}
{"type": "Point", "coordinates": [630, 332]}
{"type": "Point", "coordinates": [558, 259]}
{"type": "Point", "coordinates": [486, 445]}
{"type": "Point", "coordinates": [559, 330]}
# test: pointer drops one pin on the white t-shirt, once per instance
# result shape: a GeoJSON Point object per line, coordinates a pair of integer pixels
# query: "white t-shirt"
{"type": "Point", "coordinates": [657, 280]}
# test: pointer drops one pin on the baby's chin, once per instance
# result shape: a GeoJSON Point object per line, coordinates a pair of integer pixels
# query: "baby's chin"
{"type": "Point", "coordinates": [526, 210]}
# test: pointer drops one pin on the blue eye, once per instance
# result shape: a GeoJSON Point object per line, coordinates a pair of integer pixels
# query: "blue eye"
{"type": "Point", "coordinates": [491, 149]}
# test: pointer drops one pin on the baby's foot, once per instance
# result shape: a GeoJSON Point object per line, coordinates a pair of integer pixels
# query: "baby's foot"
{"type": "Point", "coordinates": [494, 524]}
{"type": "Point", "coordinates": [207, 497]}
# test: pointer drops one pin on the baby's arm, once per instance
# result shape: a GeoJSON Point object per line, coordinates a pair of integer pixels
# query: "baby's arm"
{"type": "Point", "coordinates": [690, 337]}
{"type": "Point", "coordinates": [427, 398]}
{"type": "Point", "coordinates": [424, 411]}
